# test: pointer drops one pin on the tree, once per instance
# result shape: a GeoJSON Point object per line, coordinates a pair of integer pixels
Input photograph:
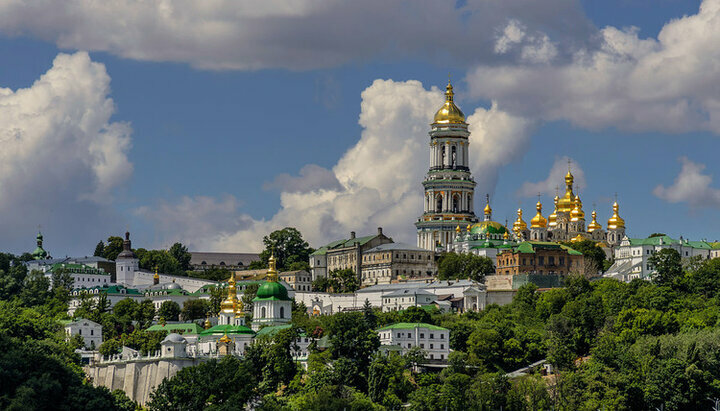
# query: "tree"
{"type": "Point", "coordinates": [195, 309]}
{"type": "Point", "coordinates": [388, 383]}
{"type": "Point", "coordinates": [343, 281]}
{"type": "Point", "coordinates": [287, 245]}
{"type": "Point", "coordinates": [667, 264]}
{"type": "Point", "coordinates": [180, 253]}
{"type": "Point", "coordinates": [113, 247]}
{"type": "Point", "coordinates": [161, 259]}
{"type": "Point", "coordinates": [12, 279]}
{"type": "Point", "coordinates": [225, 384]}
{"type": "Point", "coordinates": [248, 296]}
{"type": "Point", "coordinates": [99, 249]}
{"type": "Point", "coordinates": [352, 338]}
{"type": "Point", "coordinates": [464, 266]}
{"type": "Point", "coordinates": [169, 310]}
{"type": "Point", "coordinates": [145, 313]}
{"type": "Point", "coordinates": [36, 289]}
{"type": "Point", "coordinates": [593, 255]}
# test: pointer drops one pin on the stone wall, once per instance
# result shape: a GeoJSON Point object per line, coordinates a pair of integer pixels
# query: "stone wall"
{"type": "Point", "coordinates": [137, 378]}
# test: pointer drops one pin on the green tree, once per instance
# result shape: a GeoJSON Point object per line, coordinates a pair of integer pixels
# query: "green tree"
{"type": "Point", "coordinates": [388, 382]}
{"type": "Point", "coordinates": [180, 253]}
{"type": "Point", "coordinates": [248, 295]}
{"type": "Point", "coordinates": [343, 281]}
{"type": "Point", "coordinates": [591, 252]}
{"type": "Point", "coordinates": [99, 249]}
{"type": "Point", "coordinates": [225, 384]}
{"type": "Point", "coordinates": [12, 279]}
{"type": "Point", "coordinates": [194, 309]}
{"type": "Point", "coordinates": [351, 338]}
{"type": "Point", "coordinates": [288, 247]}
{"type": "Point", "coordinates": [464, 266]}
{"type": "Point", "coordinates": [169, 310]}
{"type": "Point", "coordinates": [113, 247]}
{"type": "Point", "coordinates": [161, 259]}
{"type": "Point", "coordinates": [145, 314]}
{"type": "Point", "coordinates": [667, 265]}
{"type": "Point", "coordinates": [36, 289]}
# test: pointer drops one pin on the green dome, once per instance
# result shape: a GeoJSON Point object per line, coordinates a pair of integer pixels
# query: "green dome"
{"type": "Point", "coordinates": [488, 227]}
{"type": "Point", "coordinates": [272, 290]}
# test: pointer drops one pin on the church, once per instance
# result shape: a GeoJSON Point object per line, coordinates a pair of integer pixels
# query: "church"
{"type": "Point", "coordinates": [449, 223]}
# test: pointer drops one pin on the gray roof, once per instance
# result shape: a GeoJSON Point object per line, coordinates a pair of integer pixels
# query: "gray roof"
{"type": "Point", "coordinates": [79, 260]}
{"type": "Point", "coordinates": [396, 246]}
{"type": "Point", "coordinates": [408, 292]}
{"type": "Point", "coordinates": [219, 259]}
{"type": "Point", "coordinates": [416, 284]}
{"type": "Point", "coordinates": [174, 338]}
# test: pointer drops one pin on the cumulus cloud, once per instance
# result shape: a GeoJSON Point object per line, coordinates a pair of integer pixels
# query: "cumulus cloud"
{"type": "Point", "coordinates": [690, 186]}
{"type": "Point", "coordinates": [379, 179]}
{"type": "Point", "coordinates": [61, 157]}
{"type": "Point", "coordinates": [290, 34]}
{"type": "Point", "coordinates": [312, 177]}
{"type": "Point", "coordinates": [638, 84]}
{"type": "Point", "coordinates": [536, 48]}
{"type": "Point", "coordinates": [555, 180]}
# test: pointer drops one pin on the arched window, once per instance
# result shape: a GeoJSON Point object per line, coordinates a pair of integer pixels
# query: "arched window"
{"type": "Point", "coordinates": [438, 203]}
{"type": "Point", "coordinates": [454, 156]}
{"type": "Point", "coordinates": [282, 312]}
{"type": "Point", "coordinates": [443, 155]}
{"type": "Point", "coordinates": [469, 202]}
{"type": "Point", "coordinates": [456, 203]}
{"type": "Point", "coordinates": [262, 313]}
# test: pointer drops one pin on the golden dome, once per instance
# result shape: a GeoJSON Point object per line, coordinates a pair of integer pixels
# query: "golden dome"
{"type": "Point", "coordinates": [457, 229]}
{"type": "Point", "coordinates": [272, 274]}
{"type": "Point", "coordinates": [207, 324]}
{"type": "Point", "coordinates": [487, 210]}
{"type": "Point", "coordinates": [577, 212]}
{"type": "Point", "coordinates": [567, 202]}
{"type": "Point", "coordinates": [538, 221]}
{"type": "Point", "coordinates": [449, 113]}
{"type": "Point", "coordinates": [615, 221]}
{"type": "Point", "coordinates": [225, 338]}
{"type": "Point", "coordinates": [469, 226]}
{"type": "Point", "coordinates": [230, 303]}
{"type": "Point", "coordinates": [594, 225]}
{"type": "Point", "coordinates": [519, 225]}
{"type": "Point", "coordinates": [552, 218]}
{"type": "Point", "coordinates": [577, 238]}
{"type": "Point", "coordinates": [506, 235]}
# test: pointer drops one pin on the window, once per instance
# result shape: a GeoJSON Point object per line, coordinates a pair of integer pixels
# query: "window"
{"type": "Point", "coordinates": [422, 335]}
{"type": "Point", "coordinates": [442, 357]}
{"type": "Point", "coordinates": [431, 346]}
{"type": "Point", "coordinates": [423, 346]}
{"type": "Point", "coordinates": [80, 331]}
{"type": "Point", "coordinates": [442, 346]}
{"type": "Point", "coordinates": [282, 312]}
{"type": "Point", "coordinates": [263, 313]}
{"type": "Point", "coordinates": [541, 260]}
{"type": "Point", "coordinates": [432, 336]}
{"type": "Point", "coordinates": [551, 260]}
{"type": "Point", "coordinates": [91, 332]}
{"type": "Point", "coordinates": [442, 336]}
{"type": "Point", "coordinates": [399, 335]}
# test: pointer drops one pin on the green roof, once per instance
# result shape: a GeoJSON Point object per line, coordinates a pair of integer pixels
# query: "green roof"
{"type": "Point", "coordinates": [272, 329]}
{"type": "Point", "coordinates": [320, 251]}
{"type": "Point", "coordinates": [272, 291]}
{"type": "Point", "coordinates": [228, 329]}
{"type": "Point", "coordinates": [111, 289]}
{"type": "Point", "coordinates": [667, 240]}
{"type": "Point", "coordinates": [183, 328]}
{"type": "Point", "coordinates": [405, 326]}
{"type": "Point", "coordinates": [529, 247]}
{"type": "Point", "coordinates": [343, 243]}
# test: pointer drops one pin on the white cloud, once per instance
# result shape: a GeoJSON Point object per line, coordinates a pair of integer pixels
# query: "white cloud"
{"type": "Point", "coordinates": [61, 157]}
{"type": "Point", "coordinates": [537, 48]}
{"type": "Point", "coordinates": [312, 177]}
{"type": "Point", "coordinates": [555, 182]}
{"type": "Point", "coordinates": [379, 178]}
{"type": "Point", "coordinates": [290, 34]}
{"type": "Point", "coordinates": [661, 84]}
{"type": "Point", "coordinates": [690, 186]}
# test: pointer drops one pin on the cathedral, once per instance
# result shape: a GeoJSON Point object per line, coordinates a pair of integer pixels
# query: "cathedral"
{"type": "Point", "coordinates": [448, 222]}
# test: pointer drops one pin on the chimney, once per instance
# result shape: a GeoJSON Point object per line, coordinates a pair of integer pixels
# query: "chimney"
{"type": "Point", "coordinates": [379, 230]}
{"type": "Point", "coordinates": [352, 235]}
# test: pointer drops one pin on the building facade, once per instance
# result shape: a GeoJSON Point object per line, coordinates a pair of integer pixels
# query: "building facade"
{"type": "Point", "coordinates": [532, 257]}
{"type": "Point", "coordinates": [434, 340]}
{"type": "Point", "coordinates": [449, 186]}
{"type": "Point", "coordinates": [406, 298]}
{"type": "Point", "coordinates": [389, 262]}
{"type": "Point", "coordinates": [299, 280]}
{"type": "Point", "coordinates": [344, 254]}
{"type": "Point", "coordinates": [90, 331]}
{"type": "Point", "coordinates": [272, 305]}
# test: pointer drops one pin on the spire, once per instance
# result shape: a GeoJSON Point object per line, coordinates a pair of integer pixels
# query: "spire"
{"type": "Point", "coordinates": [156, 277]}
{"type": "Point", "coordinates": [127, 251]}
{"type": "Point", "coordinates": [272, 274]}
{"type": "Point", "coordinates": [552, 218]}
{"type": "Point", "coordinates": [577, 212]}
{"type": "Point", "coordinates": [615, 222]}
{"type": "Point", "coordinates": [538, 221]}
{"type": "Point", "coordinates": [449, 112]}
{"type": "Point", "coordinates": [207, 323]}
{"type": "Point", "coordinates": [594, 225]}
{"type": "Point", "coordinates": [457, 229]}
{"type": "Point", "coordinates": [229, 305]}
{"type": "Point", "coordinates": [488, 210]}
{"type": "Point", "coordinates": [519, 225]}
{"type": "Point", "coordinates": [39, 253]}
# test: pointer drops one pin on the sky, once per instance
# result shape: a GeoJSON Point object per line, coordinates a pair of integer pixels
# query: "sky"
{"type": "Point", "coordinates": [213, 123]}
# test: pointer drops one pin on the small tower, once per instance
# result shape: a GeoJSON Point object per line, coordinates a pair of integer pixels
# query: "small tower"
{"type": "Point", "coordinates": [577, 218]}
{"type": "Point", "coordinates": [538, 225]}
{"type": "Point", "coordinates": [126, 263]}
{"type": "Point", "coordinates": [487, 211]}
{"type": "Point", "coordinates": [156, 277]}
{"type": "Point", "coordinates": [225, 345]}
{"type": "Point", "coordinates": [595, 229]}
{"type": "Point", "coordinates": [615, 227]}
{"type": "Point", "coordinates": [520, 227]}
{"type": "Point", "coordinates": [229, 305]}
{"type": "Point", "coordinates": [271, 306]}
{"type": "Point", "coordinates": [39, 253]}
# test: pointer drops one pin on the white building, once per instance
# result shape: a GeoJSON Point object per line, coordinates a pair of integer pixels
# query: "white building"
{"type": "Point", "coordinates": [404, 299]}
{"type": "Point", "coordinates": [112, 293]}
{"type": "Point", "coordinates": [386, 263]}
{"type": "Point", "coordinates": [90, 331]}
{"type": "Point", "coordinates": [83, 276]}
{"type": "Point", "coordinates": [299, 280]}
{"type": "Point", "coordinates": [272, 305]}
{"type": "Point", "coordinates": [431, 338]}
{"type": "Point", "coordinates": [631, 256]}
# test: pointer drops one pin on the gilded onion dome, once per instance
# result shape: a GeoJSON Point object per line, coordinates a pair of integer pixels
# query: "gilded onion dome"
{"type": "Point", "coordinates": [577, 212]}
{"type": "Point", "coordinates": [552, 218]}
{"type": "Point", "coordinates": [567, 202]}
{"type": "Point", "coordinates": [229, 305]}
{"type": "Point", "coordinates": [207, 323]}
{"type": "Point", "coordinates": [449, 113]}
{"type": "Point", "coordinates": [538, 221]}
{"type": "Point", "coordinates": [457, 229]}
{"type": "Point", "coordinates": [594, 225]}
{"type": "Point", "coordinates": [615, 221]}
{"type": "Point", "coordinates": [519, 225]}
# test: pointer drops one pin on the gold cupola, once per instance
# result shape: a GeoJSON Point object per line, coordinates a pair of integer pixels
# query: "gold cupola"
{"type": "Point", "coordinates": [519, 225]}
{"type": "Point", "coordinates": [457, 229]}
{"type": "Point", "coordinates": [449, 113]}
{"type": "Point", "coordinates": [615, 221]}
{"type": "Point", "coordinates": [594, 225]}
{"type": "Point", "coordinates": [538, 221]}
{"type": "Point", "coordinates": [229, 305]}
{"type": "Point", "coordinates": [552, 218]}
{"type": "Point", "coordinates": [567, 202]}
{"type": "Point", "coordinates": [577, 212]}
{"type": "Point", "coordinates": [272, 274]}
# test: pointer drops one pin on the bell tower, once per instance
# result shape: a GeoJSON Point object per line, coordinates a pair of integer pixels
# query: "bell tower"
{"type": "Point", "coordinates": [449, 187]}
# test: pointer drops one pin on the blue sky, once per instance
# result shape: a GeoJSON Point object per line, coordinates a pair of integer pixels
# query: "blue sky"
{"type": "Point", "coordinates": [211, 122]}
